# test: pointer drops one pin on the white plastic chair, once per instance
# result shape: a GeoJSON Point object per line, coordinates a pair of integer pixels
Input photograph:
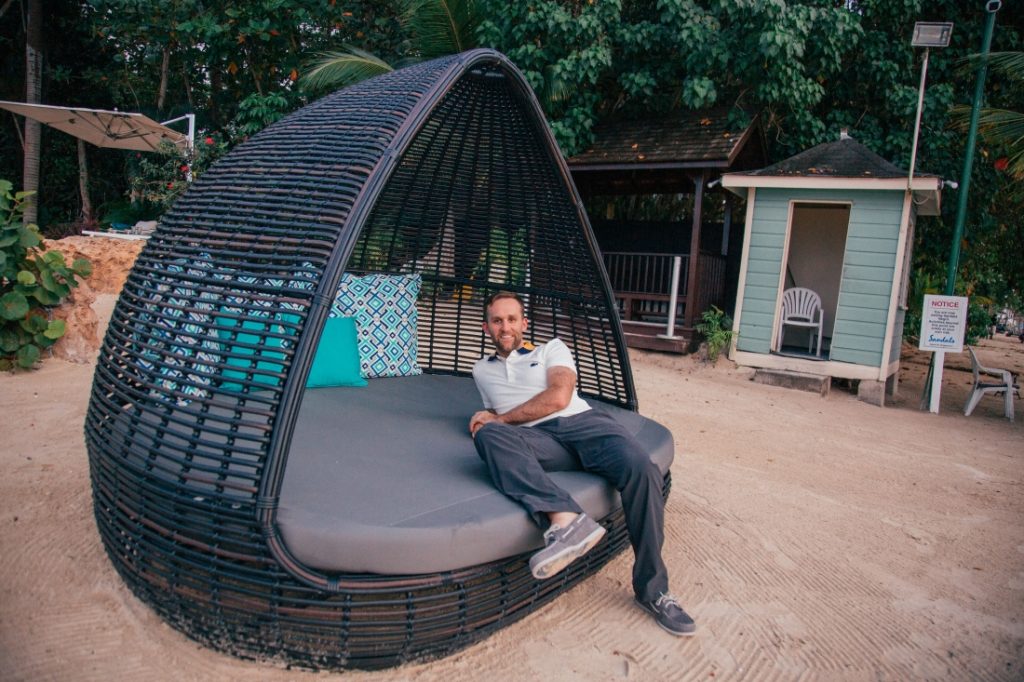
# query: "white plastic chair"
{"type": "Point", "coordinates": [801, 308]}
{"type": "Point", "coordinates": [1005, 385]}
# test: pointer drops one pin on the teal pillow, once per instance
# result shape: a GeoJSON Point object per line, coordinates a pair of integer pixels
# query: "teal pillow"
{"type": "Point", "coordinates": [336, 362]}
{"type": "Point", "coordinates": [270, 360]}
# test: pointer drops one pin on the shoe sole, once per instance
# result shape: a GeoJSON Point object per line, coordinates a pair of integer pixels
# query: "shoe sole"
{"type": "Point", "coordinates": [677, 633]}
{"type": "Point", "coordinates": [554, 564]}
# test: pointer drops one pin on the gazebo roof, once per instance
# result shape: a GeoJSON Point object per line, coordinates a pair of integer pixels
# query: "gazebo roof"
{"type": "Point", "coordinates": [680, 139]}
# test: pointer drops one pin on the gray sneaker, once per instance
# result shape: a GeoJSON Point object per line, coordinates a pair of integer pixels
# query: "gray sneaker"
{"type": "Point", "coordinates": [670, 615]}
{"type": "Point", "coordinates": [565, 545]}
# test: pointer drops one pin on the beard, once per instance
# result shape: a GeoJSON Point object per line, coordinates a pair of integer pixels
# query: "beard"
{"type": "Point", "coordinates": [507, 344]}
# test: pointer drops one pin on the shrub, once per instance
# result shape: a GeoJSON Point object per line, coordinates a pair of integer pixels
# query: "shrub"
{"type": "Point", "coordinates": [32, 280]}
{"type": "Point", "coordinates": [158, 179]}
{"type": "Point", "coordinates": [716, 328]}
{"type": "Point", "coordinates": [979, 320]}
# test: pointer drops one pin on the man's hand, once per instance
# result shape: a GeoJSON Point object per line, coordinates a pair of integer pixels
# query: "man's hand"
{"type": "Point", "coordinates": [479, 419]}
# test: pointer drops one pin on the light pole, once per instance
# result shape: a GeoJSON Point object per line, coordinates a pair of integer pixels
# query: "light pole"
{"type": "Point", "coordinates": [991, 7]}
{"type": "Point", "coordinates": [927, 34]}
{"type": "Point", "coordinates": [932, 386]}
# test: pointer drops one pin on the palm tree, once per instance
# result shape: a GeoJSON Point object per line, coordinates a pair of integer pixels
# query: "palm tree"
{"type": "Point", "coordinates": [436, 27]}
{"type": "Point", "coordinates": [1002, 127]}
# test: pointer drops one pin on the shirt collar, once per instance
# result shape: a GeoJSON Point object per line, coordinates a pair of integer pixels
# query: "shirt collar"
{"type": "Point", "coordinates": [525, 349]}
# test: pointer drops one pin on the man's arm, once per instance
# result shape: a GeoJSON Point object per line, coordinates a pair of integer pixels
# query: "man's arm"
{"type": "Point", "coordinates": [561, 383]}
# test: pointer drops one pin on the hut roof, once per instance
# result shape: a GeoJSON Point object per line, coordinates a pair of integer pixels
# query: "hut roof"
{"type": "Point", "coordinates": [843, 158]}
{"type": "Point", "coordinates": [844, 164]}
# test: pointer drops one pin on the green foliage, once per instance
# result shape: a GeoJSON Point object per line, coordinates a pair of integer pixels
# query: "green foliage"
{"type": "Point", "coordinates": [921, 283]}
{"type": "Point", "coordinates": [804, 68]}
{"type": "Point", "coordinates": [255, 113]}
{"type": "Point", "coordinates": [565, 51]}
{"type": "Point", "coordinates": [435, 28]}
{"type": "Point", "coordinates": [979, 321]}
{"type": "Point", "coordinates": [716, 328]}
{"type": "Point", "coordinates": [1002, 128]}
{"type": "Point", "coordinates": [31, 280]}
{"type": "Point", "coordinates": [158, 179]}
{"type": "Point", "coordinates": [337, 69]}
{"type": "Point", "coordinates": [440, 27]}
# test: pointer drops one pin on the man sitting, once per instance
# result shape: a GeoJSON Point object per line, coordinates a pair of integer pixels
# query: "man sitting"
{"type": "Point", "coordinates": [535, 422]}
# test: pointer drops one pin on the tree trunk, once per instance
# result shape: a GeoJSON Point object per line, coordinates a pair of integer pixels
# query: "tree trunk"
{"type": "Point", "coordinates": [33, 95]}
{"type": "Point", "coordinates": [188, 88]}
{"type": "Point", "coordinates": [83, 183]}
{"type": "Point", "coordinates": [165, 68]}
{"type": "Point", "coordinates": [216, 85]}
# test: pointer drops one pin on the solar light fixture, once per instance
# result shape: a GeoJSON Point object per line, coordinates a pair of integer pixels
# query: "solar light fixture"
{"type": "Point", "coordinates": [932, 34]}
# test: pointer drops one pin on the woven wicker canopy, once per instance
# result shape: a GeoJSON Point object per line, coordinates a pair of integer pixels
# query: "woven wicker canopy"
{"type": "Point", "coordinates": [445, 169]}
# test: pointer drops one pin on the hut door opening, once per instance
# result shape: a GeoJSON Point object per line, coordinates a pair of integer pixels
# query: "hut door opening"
{"type": "Point", "coordinates": [814, 260]}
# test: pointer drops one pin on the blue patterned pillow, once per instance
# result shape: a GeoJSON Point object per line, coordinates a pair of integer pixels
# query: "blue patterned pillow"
{"type": "Point", "coordinates": [385, 310]}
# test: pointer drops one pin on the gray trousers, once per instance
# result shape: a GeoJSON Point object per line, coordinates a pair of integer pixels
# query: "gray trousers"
{"type": "Point", "coordinates": [519, 457]}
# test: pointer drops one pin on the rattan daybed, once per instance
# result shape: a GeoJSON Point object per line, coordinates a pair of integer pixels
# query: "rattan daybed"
{"type": "Point", "coordinates": [349, 525]}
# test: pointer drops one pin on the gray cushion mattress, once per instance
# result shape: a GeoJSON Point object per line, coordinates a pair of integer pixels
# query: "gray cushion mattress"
{"type": "Point", "coordinates": [384, 479]}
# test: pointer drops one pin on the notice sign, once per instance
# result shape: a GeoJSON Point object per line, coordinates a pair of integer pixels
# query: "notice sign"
{"type": "Point", "coordinates": [943, 322]}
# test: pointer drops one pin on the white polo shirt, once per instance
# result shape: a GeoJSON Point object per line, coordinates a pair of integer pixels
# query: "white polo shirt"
{"type": "Point", "coordinates": [507, 383]}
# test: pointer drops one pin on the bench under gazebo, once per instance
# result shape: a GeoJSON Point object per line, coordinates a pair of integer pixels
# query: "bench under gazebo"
{"type": "Point", "coordinates": [277, 429]}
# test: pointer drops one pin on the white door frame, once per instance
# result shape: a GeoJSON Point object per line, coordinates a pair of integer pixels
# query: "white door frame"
{"type": "Point", "coordinates": [777, 321]}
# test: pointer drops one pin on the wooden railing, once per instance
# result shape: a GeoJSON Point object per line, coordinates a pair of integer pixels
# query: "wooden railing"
{"type": "Point", "coordinates": [642, 283]}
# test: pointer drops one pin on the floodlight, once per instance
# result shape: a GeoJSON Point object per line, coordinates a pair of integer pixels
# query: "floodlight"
{"type": "Point", "coordinates": [932, 34]}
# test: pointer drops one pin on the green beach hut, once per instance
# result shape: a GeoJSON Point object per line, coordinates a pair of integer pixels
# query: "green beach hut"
{"type": "Point", "coordinates": [826, 259]}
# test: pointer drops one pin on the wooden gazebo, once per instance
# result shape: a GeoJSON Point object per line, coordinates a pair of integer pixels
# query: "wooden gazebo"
{"type": "Point", "coordinates": [660, 288]}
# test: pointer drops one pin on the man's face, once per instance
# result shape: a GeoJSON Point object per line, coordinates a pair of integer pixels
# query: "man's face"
{"type": "Point", "coordinates": [505, 325]}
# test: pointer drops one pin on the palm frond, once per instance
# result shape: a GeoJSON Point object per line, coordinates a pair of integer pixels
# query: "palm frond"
{"type": "Point", "coordinates": [333, 70]}
{"type": "Point", "coordinates": [555, 88]}
{"type": "Point", "coordinates": [441, 27]}
{"type": "Point", "coordinates": [1002, 126]}
{"type": "Point", "coordinates": [1009, 64]}
{"type": "Point", "coordinates": [999, 128]}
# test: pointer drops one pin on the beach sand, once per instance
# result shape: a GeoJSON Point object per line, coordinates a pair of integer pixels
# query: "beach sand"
{"type": "Point", "coordinates": [811, 537]}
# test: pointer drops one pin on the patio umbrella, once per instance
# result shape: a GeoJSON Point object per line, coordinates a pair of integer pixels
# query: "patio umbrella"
{"type": "Point", "coordinates": [112, 129]}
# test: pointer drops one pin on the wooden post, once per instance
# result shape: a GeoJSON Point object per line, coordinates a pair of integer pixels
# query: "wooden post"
{"type": "Point", "coordinates": [694, 265]}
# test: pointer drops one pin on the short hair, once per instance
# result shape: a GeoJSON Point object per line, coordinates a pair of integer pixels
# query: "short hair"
{"type": "Point", "coordinates": [497, 296]}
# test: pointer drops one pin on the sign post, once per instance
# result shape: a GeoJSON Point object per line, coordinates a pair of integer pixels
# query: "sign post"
{"type": "Point", "coordinates": [943, 323]}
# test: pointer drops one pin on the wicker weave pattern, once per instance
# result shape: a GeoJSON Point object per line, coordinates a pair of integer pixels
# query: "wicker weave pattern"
{"type": "Point", "coordinates": [445, 169]}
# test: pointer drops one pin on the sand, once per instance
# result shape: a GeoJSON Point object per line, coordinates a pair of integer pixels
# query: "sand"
{"type": "Point", "coordinates": [811, 538]}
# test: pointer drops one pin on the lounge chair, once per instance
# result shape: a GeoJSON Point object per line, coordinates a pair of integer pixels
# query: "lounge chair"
{"type": "Point", "coordinates": [1005, 385]}
{"type": "Point", "coordinates": [245, 484]}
